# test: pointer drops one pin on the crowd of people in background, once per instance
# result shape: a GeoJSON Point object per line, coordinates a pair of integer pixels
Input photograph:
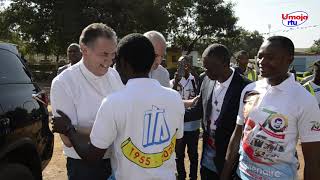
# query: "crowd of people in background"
{"type": "Point", "coordinates": [120, 116]}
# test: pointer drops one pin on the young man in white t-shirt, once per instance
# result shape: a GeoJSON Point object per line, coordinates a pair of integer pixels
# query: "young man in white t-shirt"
{"type": "Point", "coordinates": [313, 86]}
{"type": "Point", "coordinates": [140, 123]}
{"type": "Point", "coordinates": [187, 87]}
{"type": "Point", "coordinates": [79, 90]}
{"type": "Point", "coordinates": [273, 113]}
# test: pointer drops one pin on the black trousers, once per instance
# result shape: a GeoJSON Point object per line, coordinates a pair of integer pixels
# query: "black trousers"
{"type": "Point", "coordinates": [207, 174]}
{"type": "Point", "coordinates": [82, 170]}
{"type": "Point", "coordinates": [190, 140]}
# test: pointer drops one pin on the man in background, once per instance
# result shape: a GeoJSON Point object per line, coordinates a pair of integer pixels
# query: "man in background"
{"type": "Point", "coordinates": [185, 83]}
{"type": "Point", "coordinates": [244, 67]}
{"type": "Point", "coordinates": [73, 54]}
{"type": "Point", "coordinates": [313, 86]}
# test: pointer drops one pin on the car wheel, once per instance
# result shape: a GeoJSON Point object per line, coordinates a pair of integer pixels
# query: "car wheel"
{"type": "Point", "coordinates": [15, 171]}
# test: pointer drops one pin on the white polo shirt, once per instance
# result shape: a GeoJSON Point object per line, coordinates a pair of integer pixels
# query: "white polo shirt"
{"type": "Point", "coordinates": [273, 118]}
{"type": "Point", "coordinates": [141, 122]}
{"type": "Point", "coordinates": [78, 93]}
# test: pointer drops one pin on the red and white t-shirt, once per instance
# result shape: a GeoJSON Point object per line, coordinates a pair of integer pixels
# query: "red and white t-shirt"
{"type": "Point", "coordinates": [273, 118]}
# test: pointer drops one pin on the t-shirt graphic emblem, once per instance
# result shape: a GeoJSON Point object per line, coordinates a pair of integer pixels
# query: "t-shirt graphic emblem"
{"type": "Point", "coordinates": [275, 124]}
{"type": "Point", "coordinates": [155, 127]}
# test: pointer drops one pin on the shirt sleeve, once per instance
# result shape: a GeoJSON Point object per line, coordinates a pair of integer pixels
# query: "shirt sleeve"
{"type": "Point", "coordinates": [181, 118]}
{"type": "Point", "coordinates": [104, 129]}
{"type": "Point", "coordinates": [309, 122]}
{"type": "Point", "coordinates": [240, 117]}
{"type": "Point", "coordinates": [61, 99]}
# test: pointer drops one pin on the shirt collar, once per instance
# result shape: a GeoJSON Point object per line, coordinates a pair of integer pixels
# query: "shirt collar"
{"type": "Point", "coordinates": [88, 73]}
{"type": "Point", "coordinates": [228, 81]}
{"type": "Point", "coordinates": [189, 78]}
{"type": "Point", "coordinates": [286, 84]}
{"type": "Point", "coordinates": [142, 82]}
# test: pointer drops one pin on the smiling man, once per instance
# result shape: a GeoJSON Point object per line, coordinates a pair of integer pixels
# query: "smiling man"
{"type": "Point", "coordinates": [79, 90]}
{"type": "Point", "coordinates": [140, 123]}
{"type": "Point", "coordinates": [273, 113]}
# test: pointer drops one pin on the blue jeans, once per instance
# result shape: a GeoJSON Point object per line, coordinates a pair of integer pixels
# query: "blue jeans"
{"type": "Point", "coordinates": [83, 170]}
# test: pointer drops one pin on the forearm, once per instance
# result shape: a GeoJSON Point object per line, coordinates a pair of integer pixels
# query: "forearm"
{"type": "Point", "coordinates": [188, 103]}
{"type": "Point", "coordinates": [311, 156]}
{"type": "Point", "coordinates": [82, 145]}
{"type": "Point", "coordinates": [312, 170]}
{"type": "Point", "coordinates": [65, 140]}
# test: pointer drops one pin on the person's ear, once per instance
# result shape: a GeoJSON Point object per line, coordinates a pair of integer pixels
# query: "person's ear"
{"type": "Point", "coordinates": [289, 59]}
{"type": "Point", "coordinates": [84, 49]}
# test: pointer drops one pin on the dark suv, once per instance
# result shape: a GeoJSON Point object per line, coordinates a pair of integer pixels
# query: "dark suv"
{"type": "Point", "coordinates": [26, 142]}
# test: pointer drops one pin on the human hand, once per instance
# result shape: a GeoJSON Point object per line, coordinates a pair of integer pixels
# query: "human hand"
{"type": "Point", "coordinates": [61, 124]}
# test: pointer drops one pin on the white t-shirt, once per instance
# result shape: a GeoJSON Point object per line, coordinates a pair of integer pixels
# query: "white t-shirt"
{"type": "Point", "coordinates": [78, 93]}
{"type": "Point", "coordinates": [187, 91]}
{"type": "Point", "coordinates": [273, 118]}
{"type": "Point", "coordinates": [185, 87]}
{"type": "Point", "coordinates": [316, 90]}
{"type": "Point", "coordinates": [141, 122]}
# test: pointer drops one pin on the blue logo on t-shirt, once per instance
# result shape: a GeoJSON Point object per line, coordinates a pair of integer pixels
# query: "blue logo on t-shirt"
{"type": "Point", "coordinates": [155, 127]}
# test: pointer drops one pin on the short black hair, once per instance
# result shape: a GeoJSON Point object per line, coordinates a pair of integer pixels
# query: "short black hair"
{"type": "Point", "coordinates": [218, 50]}
{"type": "Point", "coordinates": [137, 51]}
{"type": "Point", "coordinates": [94, 31]}
{"type": "Point", "coordinates": [239, 53]}
{"type": "Point", "coordinates": [284, 42]}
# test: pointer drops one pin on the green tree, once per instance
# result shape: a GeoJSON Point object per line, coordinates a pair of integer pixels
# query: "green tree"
{"type": "Point", "coordinates": [315, 48]}
{"type": "Point", "coordinates": [51, 25]}
{"type": "Point", "coordinates": [202, 22]}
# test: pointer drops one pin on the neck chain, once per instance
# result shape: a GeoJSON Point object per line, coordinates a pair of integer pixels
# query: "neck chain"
{"type": "Point", "coordinates": [216, 97]}
{"type": "Point", "coordinates": [183, 93]}
{"type": "Point", "coordinates": [93, 87]}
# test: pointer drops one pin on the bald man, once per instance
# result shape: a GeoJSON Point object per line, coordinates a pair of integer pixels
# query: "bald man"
{"type": "Point", "coordinates": [158, 72]}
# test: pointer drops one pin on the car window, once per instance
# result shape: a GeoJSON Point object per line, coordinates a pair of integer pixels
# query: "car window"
{"type": "Point", "coordinates": [12, 70]}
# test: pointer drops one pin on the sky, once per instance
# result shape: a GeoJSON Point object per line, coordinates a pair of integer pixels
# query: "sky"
{"type": "Point", "coordinates": [257, 14]}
